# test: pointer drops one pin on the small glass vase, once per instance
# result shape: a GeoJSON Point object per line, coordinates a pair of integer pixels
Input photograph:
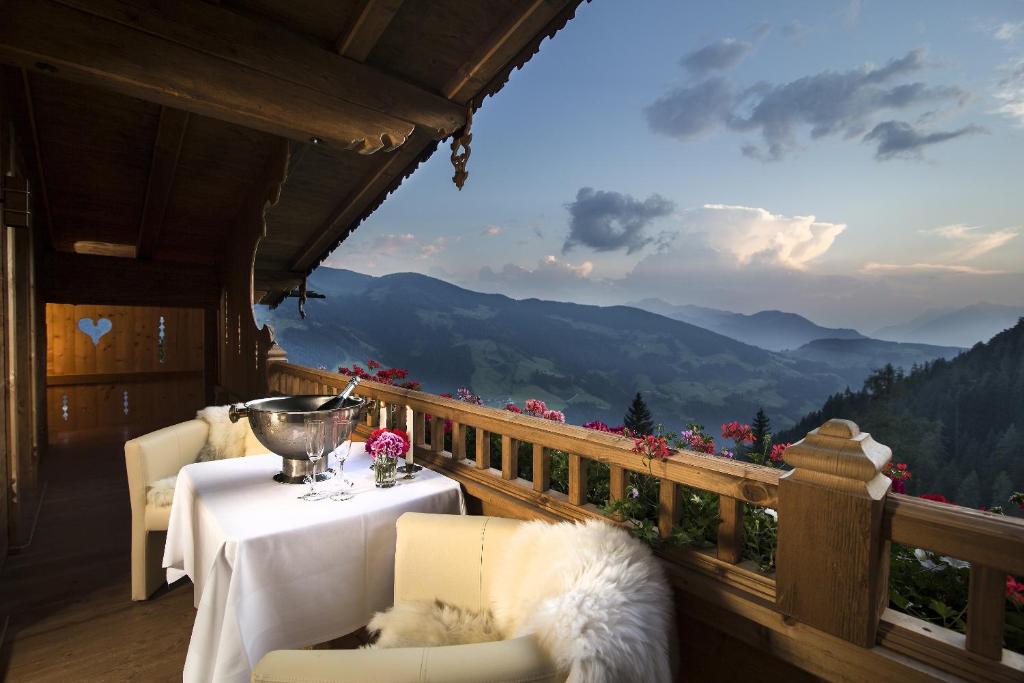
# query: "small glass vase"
{"type": "Point", "coordinates": [385, 471]}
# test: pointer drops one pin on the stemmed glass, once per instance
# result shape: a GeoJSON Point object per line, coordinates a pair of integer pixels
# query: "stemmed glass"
{"type": "Point", "coordinates": [316, 431]}
{"type": "Point", "coordinates": [342, 449]}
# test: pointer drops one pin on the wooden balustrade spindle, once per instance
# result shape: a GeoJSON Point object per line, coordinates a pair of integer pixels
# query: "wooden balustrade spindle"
{"type": "Point", "coordinates": [730, 529]}
{"type": "Point", "coordinates": [616, 485]}
{"type": "Point", "coordinates": [509, 457]}
{"type": "Point", "coordinates": [578, 470]}
{"type": "Point", "coordinates": [986, 615]}
{"type": "Point", "coordinates": [832, 564]}
{"type": "Point", "coordinates": [458, 441]}
{"type": "Point", "coordinates": [437, 434]}
{"type": "Point", "coordinates": [483, 449]}
{"type": "Point", "coordinates": [541, 468]}
{"type": "Point", "coordinates": [668, 507]}
{"type": "Point", "coordinates": [420, 428]}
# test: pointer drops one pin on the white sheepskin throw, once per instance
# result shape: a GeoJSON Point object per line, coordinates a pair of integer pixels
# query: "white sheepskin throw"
{"type": "Point", "coordinates": [161, 492]}
{"type": "Point", "coordinates": [594, 597]}
{"type": "Point", "coordinates": [430, 624]}
{"type": "Point", "coordinates": [226, 438]}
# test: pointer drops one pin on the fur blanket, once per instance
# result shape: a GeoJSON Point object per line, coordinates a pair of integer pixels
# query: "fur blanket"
{"type": "Point", "coordinates": [226, 439]}
{"type": "Point", "coordinates": [594, 597]}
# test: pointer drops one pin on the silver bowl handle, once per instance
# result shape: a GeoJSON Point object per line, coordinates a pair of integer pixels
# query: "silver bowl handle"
{"type": "Point", "coordinates": [237, 411]}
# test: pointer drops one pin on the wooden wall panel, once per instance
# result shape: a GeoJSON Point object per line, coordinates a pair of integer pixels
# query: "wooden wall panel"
{"type": "Point", "coordinates": [93, 377]}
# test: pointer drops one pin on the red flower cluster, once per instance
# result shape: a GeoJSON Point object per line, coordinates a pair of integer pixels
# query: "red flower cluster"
{"type": "Point", "coordinates": [740, 433]}
{"type": "Point", "coordinates": [397, 432]}
{"type": "Point", "coordinates": [1015, 591]}
{"type": "Point", "coordinates": [390, 376]}
{"type": "Point", "coordinates": [599, 426]}
{"type": "Point", "coordinates": [513, 408]}
{"type": "Point", "coordinates": [899, 473]}
{"type": "Point", "coordinates": [937, 497]}
{"type": "Point", "coordinates": [537, 408]}
{"type": "Point", "coordinates": [651, 447]}
{"type": "Point", "coordinates": [776, 453]}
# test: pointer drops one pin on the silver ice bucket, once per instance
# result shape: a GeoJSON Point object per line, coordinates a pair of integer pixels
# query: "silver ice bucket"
{"type": "Point", "coordinates": [280, 424]}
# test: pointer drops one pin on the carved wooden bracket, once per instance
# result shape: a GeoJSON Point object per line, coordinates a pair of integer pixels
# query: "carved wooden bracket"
{"type": "Point", "coordinates": [463, 140]}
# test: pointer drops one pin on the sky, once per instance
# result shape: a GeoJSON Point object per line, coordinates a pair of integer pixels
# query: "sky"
{"type": "Point", "coordinates": [856, 161]}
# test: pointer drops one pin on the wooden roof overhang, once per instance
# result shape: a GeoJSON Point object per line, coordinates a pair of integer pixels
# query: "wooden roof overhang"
{"type": "Point", "coordinates": [148, 124]}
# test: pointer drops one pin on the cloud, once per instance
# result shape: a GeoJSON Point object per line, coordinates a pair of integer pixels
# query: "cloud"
{"type": "Point", "coordinates": [550, 278]}
{"type": "Point", "coordinates": [390, 243]}
{"type": "Point", "coordinates": [794, 31]}
{"type": "Point", "coordinates": [1010, 92]}
{"type": "Point", "coordinates": [827, 103]}
{"type": "Point", "coordinates": [761, 30]}
{"type": "Point", "coordinates": [975, 242]}
{"type": "Point", "coordinates": [748, 235]}
{"type": "Point", "coordinates": [686, 113]}
{"type": "Point", "coordinates": [896, 139]}
{"type": "Point", "coordinates": [609, 221]}
{"type": "Point", "coordinates": [717, 56]}
{"type": "Point", "coordinates": [873, 267]}
{"type": "Point", "coordinates": [1008, 31]}
{"type": "Point", "coordinates": [431, 249]}
{"type": "Point", "coordinates": [492, 231]}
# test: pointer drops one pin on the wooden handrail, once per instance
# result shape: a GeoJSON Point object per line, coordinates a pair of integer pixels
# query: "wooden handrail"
{"type": "Point", "coordinates": [972, 535]}
{"type": "Point", "coordinates": [740, 480]}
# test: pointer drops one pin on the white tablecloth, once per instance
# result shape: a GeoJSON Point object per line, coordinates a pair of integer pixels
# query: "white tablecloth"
{"type": "Point", "coordinates": [273, 572]}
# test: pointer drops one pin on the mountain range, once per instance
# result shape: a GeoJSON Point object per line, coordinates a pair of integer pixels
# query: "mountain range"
{"type": "Point", "coordinates": [585, 360]}
{"type": "Point", "coordinates": [957, 327]}
{"type": "Point", "coordinates": [772, 330]}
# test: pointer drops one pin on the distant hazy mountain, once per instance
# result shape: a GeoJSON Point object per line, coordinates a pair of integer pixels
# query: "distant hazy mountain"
{"type": "Point", "coordinates": [865, 355]}
{"type": "Point", "coordinates": [772, 330]}
{"type": "Point", "coordinates": [586, 360]}
{"type": "Point", "coordinates": [958, 327]}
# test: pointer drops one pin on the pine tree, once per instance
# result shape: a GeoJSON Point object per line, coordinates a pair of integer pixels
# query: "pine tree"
{"type": "Point", "coordinates": [638, 419]}
{"type": "Point", "coordinates": [969, 493]}
{"type": "Point", "coordinates": [762, 428]}
{"type": "Point", "coordinates": [1002, 489]}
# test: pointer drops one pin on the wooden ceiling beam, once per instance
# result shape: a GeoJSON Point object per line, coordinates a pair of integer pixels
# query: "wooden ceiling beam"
{"type": "Point", "coordinates": [366, 28]}
{"type": "Point", "coordinates": [87, 279]}
{"type": "Point", "coordinates": [503, 45]}
{"type": "Point", "coordinates": [170, 135]}
{"type": "Point", "coordinates": [204, 59]}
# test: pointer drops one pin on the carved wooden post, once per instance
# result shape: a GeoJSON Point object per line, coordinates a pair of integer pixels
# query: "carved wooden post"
{"type": "Point", "coordinates": [832, 561]}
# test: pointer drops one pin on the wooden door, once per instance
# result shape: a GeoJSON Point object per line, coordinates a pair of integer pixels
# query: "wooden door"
{"type": "Point", "coordinates": [125, 369]}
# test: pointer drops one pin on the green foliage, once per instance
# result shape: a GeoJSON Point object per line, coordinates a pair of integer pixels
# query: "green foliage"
{"type": "Point", "coordinates": [946, 420]}
{"type": "Point", "coordinates": [760, 536]}
{"type": "Point", "coordinates": [762, 429]}
{"type": "Point", "coordinates": [638, 418]}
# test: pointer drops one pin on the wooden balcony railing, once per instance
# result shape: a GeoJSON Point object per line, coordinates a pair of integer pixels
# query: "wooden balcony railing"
{"type": "Point", "coordinates": [824, 607]}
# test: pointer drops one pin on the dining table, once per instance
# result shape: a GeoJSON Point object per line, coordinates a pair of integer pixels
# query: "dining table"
{"type": "Point", "coordinates": [271, 571]}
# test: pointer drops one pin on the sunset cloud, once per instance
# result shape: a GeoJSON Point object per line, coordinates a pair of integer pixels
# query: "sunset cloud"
{"type": "Point", "coordinates": [492, 231]}
{"type": "Point", "coordinates": [754, 235]}
{"type": "Point", "coordinates": [974, 242]}
{"type": "Point", "coordinates": [873, 267]}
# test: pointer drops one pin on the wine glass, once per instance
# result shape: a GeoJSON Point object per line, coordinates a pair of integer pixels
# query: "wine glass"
{"type": "Point", "coordinates": [342, 450]}
{"type": "Point", "coordinates": [316, 429]}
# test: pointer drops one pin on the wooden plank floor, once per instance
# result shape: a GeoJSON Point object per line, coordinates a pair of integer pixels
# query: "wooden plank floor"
{"type": "Point", "coordinates": [67, 593]}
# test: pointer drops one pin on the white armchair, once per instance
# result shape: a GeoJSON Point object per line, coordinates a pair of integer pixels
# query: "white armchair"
{"type": "Point", "coordinates": [438, 557]}
{"type": "Point", "coordinates": [149, 458]}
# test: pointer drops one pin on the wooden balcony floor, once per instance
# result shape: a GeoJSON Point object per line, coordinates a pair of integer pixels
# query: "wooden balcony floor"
{"type": "Point", "coordinates": [66, 596]}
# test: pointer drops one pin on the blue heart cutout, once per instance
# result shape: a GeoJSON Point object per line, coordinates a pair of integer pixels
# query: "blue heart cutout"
{"type": "Point", "coordinates": [95, 330]}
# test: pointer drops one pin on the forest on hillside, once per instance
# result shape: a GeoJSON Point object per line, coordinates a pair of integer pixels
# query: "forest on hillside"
{"type": "Point", "coordinates": [958, 424]}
